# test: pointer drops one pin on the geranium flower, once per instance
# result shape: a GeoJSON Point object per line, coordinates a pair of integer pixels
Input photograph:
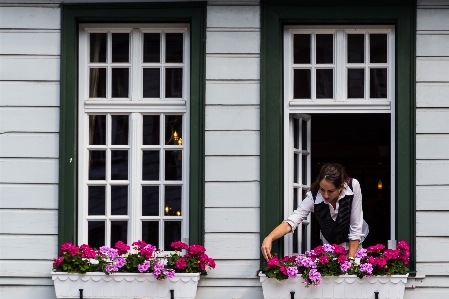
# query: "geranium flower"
{"type": "Point", "coordinates": [196, 249]}
{"type": "Point", "coordinates": [292, 272]}
{"type": "Point", "coordinates": [341, 259]}
{"type": "Point", "coordinates": [274, 261]}
{"type": "Point", "coordinates": [122, 247]}
{"type": "Point", "coordinates": [361, 253]}
{"type": "Point", "coordinates": [179, 245]}
{"type": "Point", "coordinates": [57, 262]}
{"type": "Point", "coordinates": [338, 249]}
{"type": "Point", "coordinates": [324, 259]}
{"type": "Point", "coordinates": [345, 266]}
{"type": "Point", "coordinates": [181, 263]}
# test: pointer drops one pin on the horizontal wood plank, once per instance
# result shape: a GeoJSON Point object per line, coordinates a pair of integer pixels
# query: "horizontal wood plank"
{"type": "Point", "coordinates": [432, 269]}
{"type": "Point", "coordinates": [26, 43]}
{"type": "Point", "coordinates": [432, 2]}
{"type": "Point", "coordinates": [29, 68]}
{"type": "Point", "coordinates": [29, 171]}
{"type": "Point", "coordinates": [432, 121]}
{"type": "Point", "coordinates": [233, 42]}
{"type": "Point", "coordinates": [432, 146]}
{"type": "Point", "coordinates": [227, 220]}
{"type": "Point", "coordinates": [426, 293]}
{"type": "Point", "coordinates": [36, 119]}
{"type": "Point", "coordinates": [8, 291]}
{"type": "Point", "coordinates": [432, 44]}
{"type": "Point", "coordinates": [28, 222]}
{"type": "Point", "coordinates": [30, 17]}
{"type": "Point", "coordinates": [229, 293]}
{"type": "Point", "coordinates": [226, 282]}
{"type": "Point", "coordinates": [233, 16]}
{"type": "Point", "coordinates": [235, 269]}
{"type": "Point", "coordinates": [25, 268]}
{"type": "Point", "coordinates": [235, 118]}
{"type": "Point", "coordinates": [232, 93]}
{"type": "Point", "coordinates": [232, 194]}
{"type": "Point", "coordinates": [233, 246]}
{"type": "Point", "coordinates": [226, 67]}
{"type": "Point", "coordinates": [432, 19]}
{"type": "Point", "coordinates": [432, 173]}
{"type": "Point", "coordinates": [21, 247]}
{"type": "Point", "coordinates": [232, 143]}
{"type": "Point", "coordinates": [429, 224]}
{"type": "Point", "coordinates": [33, 145]}
{"type": "Point", "coordinates": [232, 169]}
{"type": "Point", "coordinates": [29, 281]}
{"type": "Point", "coordinates": [432, 95]}
{"type": "Point", "coordinates": [433, 198]}
{"type": "Point", "coordinates": [28, 196]}
{"type": "Point", "coordinates": [432, 249]}
{"type": "Point", "coordinates": [433, 69]}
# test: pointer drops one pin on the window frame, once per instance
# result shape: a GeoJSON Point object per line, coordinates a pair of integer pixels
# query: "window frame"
{"type": "Point", "coordinates": [193, 14]}
{"type": "Point", "coordinates": [275, 15]}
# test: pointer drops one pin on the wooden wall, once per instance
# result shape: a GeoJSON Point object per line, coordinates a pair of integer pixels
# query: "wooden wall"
{"type": "Point", "coordinates": [29, 131]}
{"type": "Point", "coordinates": [432, 150]}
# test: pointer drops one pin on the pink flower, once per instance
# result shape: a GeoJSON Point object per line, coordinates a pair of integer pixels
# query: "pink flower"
{"type": "Point", "coordinates": [324, 260]}
{"type": "Point", "coordinates": [139, 244]}
{"type": "Point", "coordinates": [195, 249]}
{"type": "Point", "coordinates": [390, 254]}
{"type": "Point", "coordinates": [341, 259]}
{"type": "Point", "coordinates": [70, 248]}
{"type": "Point", "coordinates": [376, 248]}
{"type": "Point", "coordinates": [211, 263]}
{"type": "Point", "coordinates": [144, 266]}
{"type": "Point", "coordinates": [274, 261]}
{"type": "Point", "coordinates": [148, 251]}
{"type": "Point", "coordinates": [181, 263]}
{"type": "Point", "coordinates": [345, 266]}
{"type": "Point", "coordinates": [339, 249]}
{"type": "Point", "coordinates": [319, 250]}
{"type": "Point", "coordinates": [283, 269]}
{"type": "Point", "coordinates": [57, 262]}
{"type": "Point", "coordinates": [87, 252]}
{"type": "Point", "coordinates": [402, 245]}
{"type": "Point", "coordinates": [121, 247]}
{"type": "Point", "coordinates": [179, 245]}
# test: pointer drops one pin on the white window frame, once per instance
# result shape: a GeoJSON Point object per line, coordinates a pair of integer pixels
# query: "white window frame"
{"type": "Point", "coordinates": [340, 103]}
{"type": "Point", "coordinates": [136, 106]}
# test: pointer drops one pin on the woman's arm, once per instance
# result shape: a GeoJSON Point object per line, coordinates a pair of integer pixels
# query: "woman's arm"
{"type": "Point", "coordinates": [353, 246]}
{"type": "Point", "coordinates": [356, 221]}
{"type": "Point", "coordinates": [281, 230]}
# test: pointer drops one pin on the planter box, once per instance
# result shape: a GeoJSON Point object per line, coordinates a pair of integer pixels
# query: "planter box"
{"type": "Point", "coordinates": [124, 285]}
{"type": "Point", "coordinates": [346, 286]}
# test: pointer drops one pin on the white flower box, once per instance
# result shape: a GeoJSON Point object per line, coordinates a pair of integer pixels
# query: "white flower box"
{"type": "Point", "coordinates": [124, 285]}
{"type": "Point", "coordinates": [338, 287]}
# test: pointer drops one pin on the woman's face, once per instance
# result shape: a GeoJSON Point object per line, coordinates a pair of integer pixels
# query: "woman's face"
{"type": "Point", "coordinates": [328, 190]}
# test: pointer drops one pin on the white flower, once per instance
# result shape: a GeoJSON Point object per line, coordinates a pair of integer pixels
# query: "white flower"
{"type": "Point", "coordinates": [93, 261]}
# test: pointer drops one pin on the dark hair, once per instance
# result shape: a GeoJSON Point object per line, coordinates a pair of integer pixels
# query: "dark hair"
{"type": "Point", "coordinates": [333, 173]}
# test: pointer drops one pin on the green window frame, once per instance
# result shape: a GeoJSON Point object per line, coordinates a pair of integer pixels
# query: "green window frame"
{"type": "Point", "coordinates": [275, 15]}
{"type": "Point", "coordinates": [72, 15]}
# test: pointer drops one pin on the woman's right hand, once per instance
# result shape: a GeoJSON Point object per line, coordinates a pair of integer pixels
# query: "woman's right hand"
{"type": "Point", "coordinates": [266, 248]}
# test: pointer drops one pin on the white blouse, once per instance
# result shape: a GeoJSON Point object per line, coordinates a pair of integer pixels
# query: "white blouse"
{"type": "Point", "coordinates": [357, 229]}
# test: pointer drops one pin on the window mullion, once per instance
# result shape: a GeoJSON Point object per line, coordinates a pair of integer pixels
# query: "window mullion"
{"type": "Point", "coordinates": [340, 67]}
{"type": "Point", "coordinates": [136, 65]}
{"type": "Point", "coordinates": [134, 197]}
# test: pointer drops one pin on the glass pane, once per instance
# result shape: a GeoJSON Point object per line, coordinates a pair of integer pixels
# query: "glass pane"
{"type": "Point", "coordinates": [172, 233]}
{"type": "Point", "coordinates": [296, 133]}
{"type": "Point", "coordinates": [151, 127]}
{"type": "Point", "coordinates": [324, 84]}
{"type": "Point", "coordinates": [173, 165]}
{"type": "Point", "coordinates": [119, 200]}
{"type": "Point", "coordinates": [304, 194]}
{"type": "Point", "coordinates": [304, 238]}
{"type": "Point", "coordinates": [295, 168]}
{"type": "Point", "coordinates": [301, 48]}
{"type": "Point", "coordinates": [97, 129]}
{"type": "Point", "coordinates": [356, 83]}
{"type": "Point", "coordinates": [150, 200]}
{"type": "Point", "coordinates": [151, 83]}
{"type": "Point", "coordinates": [96, 234]}
{"type": "Point", "coordinates": [119, 165]}
{"type": "Point", "coordinates": [304, 169]}
{"type": "Point", "coordinates": [120, 129]}
{"type": "Point", "coordinates": [295, 233]}
{"type": "Point", "coordinates": [120, 47]}
{"type": "Point", "coordinates": [97, 83]}
{"type": "Point", "coordinates": [174, 46]}
{"type": "Point", "coordinates": [378, 48]}
{"type": "Point", "coordinates": [119, 232]}
{"type": "Point", "coordinates": [173, 129]}
{"type": "Point", "coordinates": [301, 84]}
{"type": "Point", "coordinates": [150, 232]}
{"type": "Point", "coordinates": [97, 198]}
{"type": "Point", "coordinates": [151, 47]}
{"type": "Point", "coordinates": [378, 83]}
{"type": "Point", "coordinates": [97, 165]}
{"type": "Point", "coordinates": [120, 82]}
{"type": "Point", "coordinates": [173, 83]}
{"type": "Point", "coordinates": [304, 135]}
{"type": "Point", "coordinates": [356, 48]}
{"type": "Point", "coordinates": [98, 42]}
{"type": "Point", "coordinates": [173, 196]}
{"type": "Point", "coordinates": [150, 165]}
{"type": "Point", "coordinates": [324, 48]}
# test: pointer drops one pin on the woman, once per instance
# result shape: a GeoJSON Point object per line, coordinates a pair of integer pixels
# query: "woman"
{"type": "Point", "coordinates": [336, 201]}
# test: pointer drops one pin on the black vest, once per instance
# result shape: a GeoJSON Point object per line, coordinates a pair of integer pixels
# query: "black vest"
{"type": "Point", "coordinates": [335, 232]}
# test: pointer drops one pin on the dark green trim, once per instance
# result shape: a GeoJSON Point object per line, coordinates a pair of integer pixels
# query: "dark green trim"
{"type": "Point", "coordinates": [72, 16]}
{"type": "Point", "coordinates": [276, 14]}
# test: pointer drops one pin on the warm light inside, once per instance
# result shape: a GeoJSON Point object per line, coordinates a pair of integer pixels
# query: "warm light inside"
{"type": "Point", "coordinates": [379, 185]}
{"type": "Point", "coordinates": [180, 141]}
{"type": "Point", "coordinates": [178, 213]}
{"type": "Point", "coordinates": [175, 135]}
{"type": "Point", "coordinates": [166, 210]}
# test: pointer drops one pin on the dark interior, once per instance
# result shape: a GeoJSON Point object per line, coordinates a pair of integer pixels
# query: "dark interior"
{"type": "Point", "coordinates": [361, 142]}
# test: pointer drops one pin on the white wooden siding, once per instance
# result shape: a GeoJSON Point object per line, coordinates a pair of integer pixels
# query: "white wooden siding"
{"type": "Point", "coordinates": [232, 194]}
{"type": "Point", "coordinates": [233, 17]}
{"type": "Point", "coordinates": [229, 293]}
{"type": "Point", "coordinates": [226, 67]}
{"type": "Point", "coordinates": [232, 118]}
{"type": "Point", "coordinates": [237, 220]}
{"type": "Point", "coordinates": [232, 92]}
{"type": "Point", "coordinates": [233, 42]}
{"type": "Point", "coordinates": [29, 139]}
{"type": "Point", "coordinates": [237, 143]}
{"type": "Point", "coordinates": [36, 42]}
{"type": "Point", "coordinates": [232, 169]}
{"type": "Point", "coordinates": [432, 140]}
{"type": "Point", "coordinates": [232, 246]}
